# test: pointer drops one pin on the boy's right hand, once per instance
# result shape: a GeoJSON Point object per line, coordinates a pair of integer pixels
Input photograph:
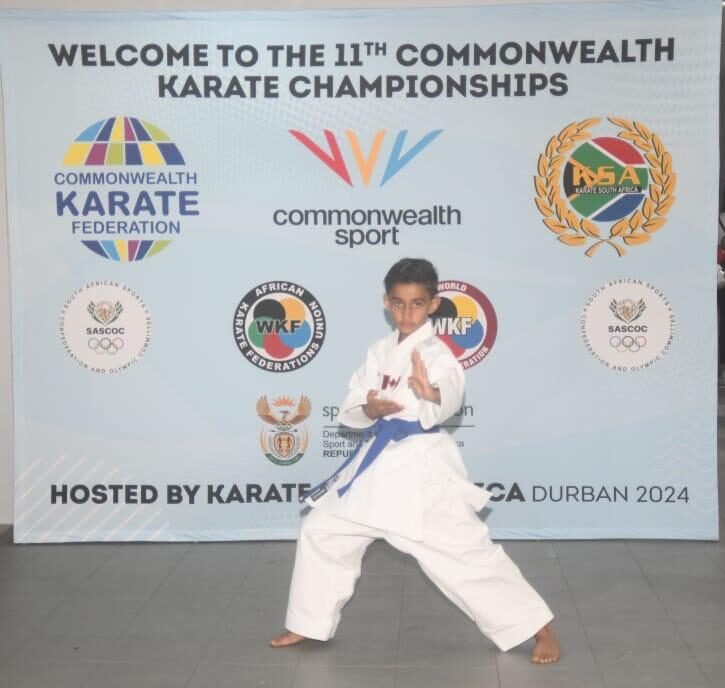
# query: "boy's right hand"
{"type": "Point", "coordinates": [377, 408]}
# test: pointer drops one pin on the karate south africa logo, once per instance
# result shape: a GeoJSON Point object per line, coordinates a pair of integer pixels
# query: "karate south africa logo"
{"type": "Point", "coordinates": [607, 190]}
{"type": "Point", "coordinates": [131, 194]}
{"type": "Point", "coordinates": [279, 326]}
{"type": "Point", "coordinates": [285, 441]}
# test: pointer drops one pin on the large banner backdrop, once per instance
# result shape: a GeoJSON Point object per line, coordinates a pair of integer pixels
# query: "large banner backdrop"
{"type": "Point", "coordinates": [202, 208]}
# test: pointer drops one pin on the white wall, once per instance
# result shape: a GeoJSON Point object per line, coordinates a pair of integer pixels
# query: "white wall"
{"type": "Point", "coordinates": [6, 435]}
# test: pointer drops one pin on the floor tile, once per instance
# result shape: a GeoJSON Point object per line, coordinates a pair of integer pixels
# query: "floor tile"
{"type": "Point", "coordinates": [655, 669]}
{"type": "Point", "coordinates": [519, 672]}
{"type": "Point", "coordinates": [237, 676]}
{"type": "Point", "coordinates": [251, 648]}
{"type": "Point", "coordinates": [22, 674]}
{"type": "Point", "coordinates": [705, 639]}
{"type": "Point", "coordinates": [141, 648]}
{"type": "Point", "coordinates": [715, 674]}
{"type": "Point", "coordinates": [452, 676]}
{"type": "Point", "coordinates": [67, 647]}
{"type": "Point", "coordinates": [147, 675]}
{"type": "Point", "coordinates": [344, 677]}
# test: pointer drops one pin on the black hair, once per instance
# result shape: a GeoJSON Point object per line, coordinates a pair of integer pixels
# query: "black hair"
{"type": "Point", "coordinates": [413, 271]}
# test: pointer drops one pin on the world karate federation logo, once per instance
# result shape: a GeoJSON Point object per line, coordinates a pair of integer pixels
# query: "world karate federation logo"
{"type": "Point", "coordinates": [279, 326]}
{"type": "Point", "coordinates": [584, 184]}
{"type": "Point", "coordinates": [286, 440]}
{"type": "Point", "coordinates": [465, 321]}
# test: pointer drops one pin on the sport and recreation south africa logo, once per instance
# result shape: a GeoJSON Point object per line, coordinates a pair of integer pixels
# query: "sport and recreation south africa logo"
{"type": "Point", "coordinates": [279, 326]}
{"type": "Point", "coordinates": [466, 321]}
{"type": "Point", "coordinates": [131, 194]}
{"type": "Point", "coordinates": [284, 439]}
{"type": "Point", "coordinates": [105, 327]}
{"type": "Point", "coordinates": [628, 325]}
{"type": "Point", "coordinates": [607, 190]}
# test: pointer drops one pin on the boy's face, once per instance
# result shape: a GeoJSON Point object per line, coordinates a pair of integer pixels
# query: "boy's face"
{"type": "Point", "coordinates": [410, 305]}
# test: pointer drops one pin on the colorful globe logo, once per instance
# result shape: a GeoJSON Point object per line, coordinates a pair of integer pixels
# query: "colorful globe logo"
{"type": "Point", "coordinates": [112, 194]}
{"type": "Point", "coordinates": [123, 141]}
{"type": "Point", "coordinates": [279, 326]}
{"type": "Point", "coordinates": [465, 321]}
{"type": "Point", "coordinates": [605, 179]}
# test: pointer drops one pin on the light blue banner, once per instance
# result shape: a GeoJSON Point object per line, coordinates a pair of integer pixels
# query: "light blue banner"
{"type": "Point", "coordinates": [202, 208]}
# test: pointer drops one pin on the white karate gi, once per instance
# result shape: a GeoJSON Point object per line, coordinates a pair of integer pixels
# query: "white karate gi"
{"type": "Point", "coordinates": [416, 496]}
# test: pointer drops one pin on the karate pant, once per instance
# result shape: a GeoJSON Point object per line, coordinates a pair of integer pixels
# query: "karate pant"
{"type": "Point", "coordinates": [456, 553]}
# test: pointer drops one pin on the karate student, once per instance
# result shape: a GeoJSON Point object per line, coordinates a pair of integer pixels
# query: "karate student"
{"type": "Point", "coordinates": [407, 484]}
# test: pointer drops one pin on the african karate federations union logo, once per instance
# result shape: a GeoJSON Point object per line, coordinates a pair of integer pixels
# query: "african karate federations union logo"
{"type": "Point", "coordinates": [279, 326]}
{"type": "Point", "coordinates": [614, 190]}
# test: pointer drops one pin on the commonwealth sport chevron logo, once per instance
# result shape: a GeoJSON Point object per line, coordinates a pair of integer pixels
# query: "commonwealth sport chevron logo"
{"type": "Point", "coordinates": [586, 182]}
{"type": "Point", "coordinates": [124, 189]}
{"type": "Point", "coordinates": [370, 164]}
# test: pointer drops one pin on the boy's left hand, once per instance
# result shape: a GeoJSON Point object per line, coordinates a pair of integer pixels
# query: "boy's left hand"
{"type": "Point", "coordinates": [419, 382]}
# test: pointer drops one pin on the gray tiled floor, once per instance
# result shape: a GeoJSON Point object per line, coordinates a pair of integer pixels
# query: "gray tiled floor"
{"type": "Point", "coordinates": [630, 614]}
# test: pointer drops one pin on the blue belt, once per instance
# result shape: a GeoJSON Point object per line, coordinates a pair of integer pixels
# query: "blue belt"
{"type": "Point", "coordinates": [384, 430]}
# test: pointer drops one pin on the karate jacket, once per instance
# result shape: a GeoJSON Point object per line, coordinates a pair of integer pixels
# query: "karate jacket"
{"type": "Point", "coordinates": [389, 494]}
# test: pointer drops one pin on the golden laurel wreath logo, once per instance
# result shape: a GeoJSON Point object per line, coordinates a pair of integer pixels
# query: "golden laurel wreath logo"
{"type": "Point", "coordinates": [637, 229]}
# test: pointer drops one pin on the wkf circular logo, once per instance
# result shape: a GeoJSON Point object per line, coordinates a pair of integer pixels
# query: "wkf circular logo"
{"type": "Point", "coordinates": [466, 321]}
{"type": "Point", "coordinates": [279, 326]}
{"type": "Point", "coordinates": [105, 327]}
{"type": "Point", "coordinates": [613, 190]}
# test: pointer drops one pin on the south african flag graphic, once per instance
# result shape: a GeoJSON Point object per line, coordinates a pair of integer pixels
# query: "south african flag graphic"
{"type": "Point", "coordinates": [605, 179]}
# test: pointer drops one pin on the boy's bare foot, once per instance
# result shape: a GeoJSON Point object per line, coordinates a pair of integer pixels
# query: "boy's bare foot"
{"type": "Point", "coordinates": [546, 650]}
{"type": "Point", "coordinates": [285, 639]}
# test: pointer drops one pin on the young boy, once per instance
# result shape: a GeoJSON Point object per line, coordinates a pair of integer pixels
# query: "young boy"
{"type": "Point", "coordinates": [407, 484]}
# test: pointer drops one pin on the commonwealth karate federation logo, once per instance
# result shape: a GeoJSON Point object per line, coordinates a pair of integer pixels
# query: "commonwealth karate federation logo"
{"type": "Point", "coordinates": [465, 321]}
{"type": "Point", "coordinates": [279, 326]}
{"type": "Point", "coordinates": [130, 193]}
{"type": "Point", "coordinates": [365, 161]}
{"type": "Point", "coordinates": [613, 190]}
{"type": "Point", "coordinates": [284, 440]}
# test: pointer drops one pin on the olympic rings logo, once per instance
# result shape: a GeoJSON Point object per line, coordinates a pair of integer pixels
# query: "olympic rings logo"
{"type": "Point", "coordinates": [627, 343]}
{"type": "Point", "coordinates": [105, 345]}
